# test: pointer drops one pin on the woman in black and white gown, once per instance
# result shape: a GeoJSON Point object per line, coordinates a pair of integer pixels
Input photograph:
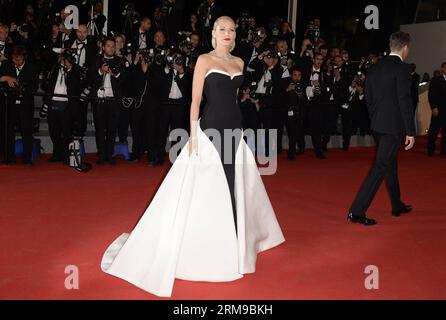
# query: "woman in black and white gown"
{"type": "Point", "coordinates": [211, 216]}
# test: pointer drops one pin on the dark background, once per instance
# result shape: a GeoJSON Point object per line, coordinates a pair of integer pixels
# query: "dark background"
{"type": "Point", "coordinates": [339, 25]}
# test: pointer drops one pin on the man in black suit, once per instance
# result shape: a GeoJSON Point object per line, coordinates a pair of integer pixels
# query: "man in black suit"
{"type": "Point", "coordinates": [317, 92]}
{"type": "Point", "coordinates": [270, 80]}
{"type": "Point", "coordinates": [143, 37]}
{"type": "Point", "coordinates": [174, 96]}
{"type": "Point", "coordinates": [20, 105]}
{"type": "Point", "coordinates": [415, 87]}
{"type": "Point", "coordinates": [437, 101]}
{"type": "Point", "coordinates": [107, 86]}
{"type": "Point", "coordinates": [5, 47]}
{"type": "Point", "coordinates": [390, 107]}
{"type": "Point", "coordinates": [64, 79]}
{"type": "Point", "coordinates": [85, 50]}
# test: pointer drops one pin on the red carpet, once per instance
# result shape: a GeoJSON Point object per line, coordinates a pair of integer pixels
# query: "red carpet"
{"type": "Point", "coordinates": [52, 216]}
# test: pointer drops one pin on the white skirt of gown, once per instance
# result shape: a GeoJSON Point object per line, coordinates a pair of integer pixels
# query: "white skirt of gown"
{"type": "Point", "coordinates": [188, 232]}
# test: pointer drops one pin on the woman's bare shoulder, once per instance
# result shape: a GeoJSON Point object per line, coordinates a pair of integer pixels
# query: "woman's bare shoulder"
{"type": "Point", "coordinates": [239, 62]}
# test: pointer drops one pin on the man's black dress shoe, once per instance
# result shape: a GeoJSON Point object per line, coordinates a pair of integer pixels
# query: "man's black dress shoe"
{"type": "Point", "coordinates": [112, 162]}
{"type": "Point", "coordinates": [321, 156]}
{"type": "Point", "coordinates": [403, 210]}
{"type": "Point", "coordinates": [100, 162]}
{"type": "Point", "coordinates": [54, 159]}
{"type": "Point", "coordinates": [362, 220]}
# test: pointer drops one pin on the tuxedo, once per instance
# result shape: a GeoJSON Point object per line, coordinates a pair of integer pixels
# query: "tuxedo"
{"type": "Point", "coordinates": [142, 40]}
{"type": "Point", "coordinates": [85, 52]}
{"type": "Point", "coordinates": [337, 101]}
{"type": "Point", "coordinates": [144, 117]}
{"type": "Point", "coordinates": [18, 107]}
{"type": "Point", "coordinates": [173, 112]}
{"type": "Point", "coordinates": [106, 110]}
{"type": "Point", "coordinates": [437, 99]}
{"type": "Point", "coordinates": [389, 103]}
{"type": "Point", "coordinates": [317, 105]}
{"type": "Point", "coordinates": [62, 112]}
{"type": "Point", "coordinates": [415, 90]}
{"type": "Point", "coordinates": [6, 51]}
{"type": "Point", "coordinates": [272, 112]}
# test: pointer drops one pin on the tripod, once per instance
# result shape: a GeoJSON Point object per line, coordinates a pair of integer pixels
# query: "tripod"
{"type": "Point", "coordinates": [92, 27]}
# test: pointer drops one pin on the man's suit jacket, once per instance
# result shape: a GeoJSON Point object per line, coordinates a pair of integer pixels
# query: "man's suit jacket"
{"type": "Point", "coordinates": [74, 85]}
{"type": "Point", "coordinates": [415, 89]}
{"type": "Point", "coordinates": [166, 84]}
{"type": "Point", "coordinates": [388, 97]}
{"type": "Point", "coordinates": [91, 51]}
{"type": "Point", "coordinates": [437, 95]}
{"type": "Point", "coordinates": [28, 79]}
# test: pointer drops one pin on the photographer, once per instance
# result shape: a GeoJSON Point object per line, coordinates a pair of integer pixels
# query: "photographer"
{"type": "Point", "coordinates": [144, 113]}
{"type": "Point", "coordinates": [288, 58]}
{"type": "Point", "coordinates": [268, 77]}
{"type": "Point", "coordinates": [252, 44]}
{"type": "Point", "coordinates": [123, 52]}
{"type": "Point", "coordinates": [107, 87]}
{"type": "Point", "coordinates": [317, 93]}
{"type": "Point", "coordinates": [85, 51]}
{"type": "Point", "coordinates": [22, 78]}
{"type": "Point", "coordinates": [338, 97]}
{"type": "Point", "coordinates": [305, 60]}
{"type": "Point", "coordinates": [209, 12]}
{"type": "Point", "coordinates": [143, 37]}
{"type": "Point", "coordinates": [313, 31]}
{"type": "Point", "coordinates": [62, 111]}
{"type": "Point", "coordinates": [174, 98]}
{"type": "Point", "coordinates": [5, 47]}
{"type": "Point", "coordinates": [249, 107]}
{"type": "Point", "coordinates": [296, 113]}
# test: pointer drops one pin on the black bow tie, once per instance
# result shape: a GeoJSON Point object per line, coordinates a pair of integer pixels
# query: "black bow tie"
{"type": "Point", "coordinates": [316, 72]}
{"type": "Point", "coordinates": [80, 43]}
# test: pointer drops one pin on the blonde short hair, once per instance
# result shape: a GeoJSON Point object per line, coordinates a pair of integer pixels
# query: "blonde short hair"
{"type": "Point", "coordinates": [214, 41]}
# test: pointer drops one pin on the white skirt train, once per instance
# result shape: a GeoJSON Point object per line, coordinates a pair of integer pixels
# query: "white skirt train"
{"type": "Point", "coordinates": [188, 232]}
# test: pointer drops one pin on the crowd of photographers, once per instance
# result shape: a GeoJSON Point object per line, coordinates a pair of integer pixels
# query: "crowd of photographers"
{"type": "Point", "coordinates": [142, 79]}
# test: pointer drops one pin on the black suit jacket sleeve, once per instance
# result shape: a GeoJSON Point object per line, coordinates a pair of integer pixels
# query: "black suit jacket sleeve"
{"type": "Point", "coordinates": [435, 94]}
{"type": "Point", "coordinates": [403, 85]}
{"type": "Point", "coordinates": [369, 97]}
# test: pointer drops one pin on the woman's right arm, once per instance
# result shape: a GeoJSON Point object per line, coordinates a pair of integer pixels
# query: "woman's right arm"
{"type": "Point", "coordinates": [197, 93]}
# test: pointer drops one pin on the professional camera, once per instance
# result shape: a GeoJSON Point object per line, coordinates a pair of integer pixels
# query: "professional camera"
{"type": "Point", "coordinates": [116, 65]}
{"type": "Point", "coordinates": [185, 45]}
{"type": "Point", "coordinates": [203, 10]}
{"type": "Point", "coordinates": [127, 49]}
{"type": "Point", "coordinates": [2, 46]}
{"type": "Point", "coordinates": [243, 22]}
{"type": "Point", "coordinates": [166, 5]}
{"type": "Point", "coordinates": [299, 90]}
{"type": "Point", "coordinates": [19, 89]}
{"type": "Point", "coordinates": [129, 10]}
{"type": "Point", "coordinates": [69, 55]}
{"type": "Point", "coordinates": [272, 55]}
{"type": "Point", "coordinates": [177, 59]}
{"type": "Point", "coordinates": [252, 91]}
{"type": "Point", "coordinates": [255, 36]}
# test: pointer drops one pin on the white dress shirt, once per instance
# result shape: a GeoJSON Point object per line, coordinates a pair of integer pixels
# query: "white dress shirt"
{"type": "Point", "coordinates": [261, 85]}
{"type": "Point", "coordinates": [313, 77]}
{"type": "Point", "coordinates": [175, 92]}
{"type": "Point", "coordinates": [61, 86]}
{"type": "Point", "coordinates": [142, 39]}
{"type": "Point", "coordinates": [81, 53]}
